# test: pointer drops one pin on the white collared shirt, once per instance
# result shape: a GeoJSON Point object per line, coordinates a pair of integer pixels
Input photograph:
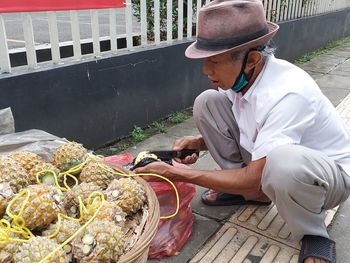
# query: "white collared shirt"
{"type": "Point", "coordinates": [285, 106]}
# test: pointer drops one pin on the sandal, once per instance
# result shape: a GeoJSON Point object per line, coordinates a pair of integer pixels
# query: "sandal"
{"type": "Point", "coordinates": [228, 199]}
{"type": "Point", "coordinates": [318, 247]}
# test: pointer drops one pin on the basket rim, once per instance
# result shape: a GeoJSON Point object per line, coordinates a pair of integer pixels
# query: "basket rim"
{"type": "Point", "coordinates": [150, 229]}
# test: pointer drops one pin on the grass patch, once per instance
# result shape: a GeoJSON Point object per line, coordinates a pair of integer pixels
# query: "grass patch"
{"type": "Point", "coordinates": [178, 117]}
{"type": "Point", "coordinates": [139, 134]}
{"type": "Point", "coordinates": [307, 57]}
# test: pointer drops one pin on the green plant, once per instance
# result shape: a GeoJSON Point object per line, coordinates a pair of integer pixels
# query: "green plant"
{"type": "Point", "coordinates": [163, 17]}
{"type": "Point", "coordinates": [178, 117]}
{"type": "Point", "coordinates": [138, 134]}
{"type": "Point", "coordinates": [308, 56]}
{"type": "Point", "coordinates": [160, 127]}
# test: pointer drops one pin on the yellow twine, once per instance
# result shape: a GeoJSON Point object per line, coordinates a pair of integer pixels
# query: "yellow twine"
{"type": "Point", "coordinates": [95, 203]}
{"type": "Point", "coordinates": [150, 174]}
{"type": "Point", "coordinates": [100, 198]}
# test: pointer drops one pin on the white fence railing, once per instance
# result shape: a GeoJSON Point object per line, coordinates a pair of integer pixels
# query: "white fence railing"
{"type": "Point", "coordinates": [152, 22]}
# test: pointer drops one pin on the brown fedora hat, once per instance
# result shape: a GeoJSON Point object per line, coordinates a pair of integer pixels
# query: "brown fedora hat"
{"type": "Point", "coordinates": [226, 26]}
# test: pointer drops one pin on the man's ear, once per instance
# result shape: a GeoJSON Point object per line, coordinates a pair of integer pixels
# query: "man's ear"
{"type": "Point", "coordinates": [254, 58]}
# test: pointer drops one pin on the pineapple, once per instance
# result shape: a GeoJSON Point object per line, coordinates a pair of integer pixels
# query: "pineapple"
{"type": "Point", "coordinates": [13, 174]}
{"type": "Point", "coordinates": [127, 193]}
{"type": "Point", "coordinates": [6, 194]}
{"type": "Point", "coordinates": [71, 201]}
{"type": "Point", "coordinates": [102, 241]}
{"type": "Point", "coordinates": [69, 155]}
{"type": "Point", "coordinates": [37, 249]}
{"type": "Point", "coordinates": [26, 159]}
{"type": "Point", "coordinates": [109, 211]}
{"type": "Point", "coordinates": [8, 249]}
{"type": "Point", "coordinates": [67, 229]}
{"type": "Point", "coordinates": [92, 172]}
{"type": "Point", "coordinates": [41, 208]}
{"type": "Point", "coordinates": [46, 177]}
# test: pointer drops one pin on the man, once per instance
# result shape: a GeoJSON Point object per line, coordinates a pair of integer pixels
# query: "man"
{"type": "Point", "coordinates": [269, 127]}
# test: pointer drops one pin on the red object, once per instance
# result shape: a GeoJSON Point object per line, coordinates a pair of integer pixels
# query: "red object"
{"type": "Point", "coordinates": [120, 159]}
{"type": "Point", "coordinates": [7, 6]}
{"type": "Point", "coordinates": [172, 233]}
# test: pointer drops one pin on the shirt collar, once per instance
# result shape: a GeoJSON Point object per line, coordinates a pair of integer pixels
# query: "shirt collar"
{"type": "Point", "coordinates": [248, 95]}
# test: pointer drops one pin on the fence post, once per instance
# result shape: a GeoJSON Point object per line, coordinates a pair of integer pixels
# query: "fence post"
{"type": "Point", "coordinates": [189, 18]}
{"type": "Point", "coordinates": [128, 23]}
{"type": "Point", "coordinates": [113, 29]}
{"type": "Point", "coordinates": [169, 23]}
{"type": "Point", "coordinates": [29, 40]}
{"type": "Point", "coordinates": [75, 34]}
{"type": "Point", "coordinates": [95, 33]}
{"type": "Point", "coordinates": [5, 65]}
{"type": "Point", "coordinates": [53, 32]}
{"type": "Point", "coordinates": [180, 19]}
{"type": "Point", "coordinates": [199, 6]}
{"type": "Point", "coordinates": [143, 22]}
{"type": "Point", "coordinates": [156, 22]}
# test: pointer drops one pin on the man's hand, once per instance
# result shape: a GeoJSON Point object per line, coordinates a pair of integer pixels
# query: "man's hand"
{"type": "Point", "coordinates": [189, 142]}
{"type": "Point", "coordinates": [159, 168]}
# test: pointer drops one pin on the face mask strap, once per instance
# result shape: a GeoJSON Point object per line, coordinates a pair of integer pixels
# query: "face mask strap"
{"type": "Point", "coordinates": [242, 80]}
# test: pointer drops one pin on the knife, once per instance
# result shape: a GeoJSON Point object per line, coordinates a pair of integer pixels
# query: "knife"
{"type": "Point", "coordinates": [168, 155]}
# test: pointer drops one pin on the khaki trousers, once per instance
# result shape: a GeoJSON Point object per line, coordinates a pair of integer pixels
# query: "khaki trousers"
{"type": "Point", "coordinates": [301, 182]}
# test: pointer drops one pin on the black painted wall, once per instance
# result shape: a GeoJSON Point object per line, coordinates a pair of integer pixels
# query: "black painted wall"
{"type": "Point", "coordinates": [297, 37]}
{"type": "Point", "coordinates": [96, 101]}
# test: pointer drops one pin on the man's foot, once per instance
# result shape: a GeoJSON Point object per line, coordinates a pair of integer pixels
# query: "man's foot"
{"type": "Point", "coordinates": [317, 249]}
{"type": "Point", "coordinates": [213, 198]}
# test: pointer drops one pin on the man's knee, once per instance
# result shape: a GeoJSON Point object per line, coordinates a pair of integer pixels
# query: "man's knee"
{"type": "Point", "coordinates": [283, 169]}
{"type": "Point", "coordinates": [206, 100]}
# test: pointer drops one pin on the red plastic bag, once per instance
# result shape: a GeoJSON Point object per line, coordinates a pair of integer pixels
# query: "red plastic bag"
{"type": "Point", "coordinates": [172, 233]}
{"type": "Point", "coordinates": [120, 159]}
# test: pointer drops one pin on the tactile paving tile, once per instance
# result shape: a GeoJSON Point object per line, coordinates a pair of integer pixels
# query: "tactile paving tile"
{"type": "Point", "coordinates": [234, 244]}
{"type": "Point", "coordinates": [265, 220]}
{"type": "Point", "coordinates": [253, 234]}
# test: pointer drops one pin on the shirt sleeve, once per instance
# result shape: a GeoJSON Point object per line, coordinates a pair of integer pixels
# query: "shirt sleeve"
{"type": "Point", "coordinates": [285, 124]}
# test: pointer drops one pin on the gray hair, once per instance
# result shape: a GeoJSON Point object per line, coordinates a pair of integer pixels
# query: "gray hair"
{"type": "Point", "coordinates": [266, 50]}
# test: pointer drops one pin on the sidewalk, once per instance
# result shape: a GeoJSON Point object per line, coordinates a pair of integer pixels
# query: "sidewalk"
{"type": "Point", "coordinates": [258, 234]}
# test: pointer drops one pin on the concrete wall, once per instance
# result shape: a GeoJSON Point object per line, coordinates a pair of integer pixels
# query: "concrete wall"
{"type": "Point", "coordinates": [297, 37]}
{"type": "Point", "coordinates": [96, 101]}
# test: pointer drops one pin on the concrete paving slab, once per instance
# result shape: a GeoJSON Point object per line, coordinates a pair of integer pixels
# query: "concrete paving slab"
{"type": "Point", "coordinates": [323, 64]}
{"type": "Point", "coordinates": [342, 70]}
{"type": "Point", "coordinates": [335, 95]}
{"type": "Point", "coordinates": [316, 75]}
{"type": "Point", "coordinates": [334, 81]}
{"type": "Point", "coordinates": [340, 53]}
{"type": "Point", "coordinates": [203, 229]}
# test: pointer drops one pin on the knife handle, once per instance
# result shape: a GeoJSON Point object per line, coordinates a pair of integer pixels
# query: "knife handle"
{"type": "Point", "coordinates": [186, 152]}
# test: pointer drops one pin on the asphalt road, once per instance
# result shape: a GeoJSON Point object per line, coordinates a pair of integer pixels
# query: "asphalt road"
{"type": "Point", "coordinates": [14, 29]}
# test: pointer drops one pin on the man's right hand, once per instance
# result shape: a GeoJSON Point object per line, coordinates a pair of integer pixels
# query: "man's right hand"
{"type": "Point", "coordinates": [189, 142]}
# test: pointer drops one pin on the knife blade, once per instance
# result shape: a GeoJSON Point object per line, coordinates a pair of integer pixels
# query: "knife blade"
{"type": "Point", "coordinates": [168, 155]}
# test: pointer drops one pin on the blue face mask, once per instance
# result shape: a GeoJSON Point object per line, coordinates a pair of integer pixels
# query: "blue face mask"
{"type": "Point", "coordinates": [241, 83]}
{"type": "Point", "coordinates": [242, 80]}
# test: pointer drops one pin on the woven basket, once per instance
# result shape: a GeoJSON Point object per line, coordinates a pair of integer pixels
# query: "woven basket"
{"type": "Point", "coordinates": [139, 252]}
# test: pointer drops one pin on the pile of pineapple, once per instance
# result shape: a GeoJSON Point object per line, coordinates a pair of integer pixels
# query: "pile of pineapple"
{"type": "Point", "coordinates": [72, 209]}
